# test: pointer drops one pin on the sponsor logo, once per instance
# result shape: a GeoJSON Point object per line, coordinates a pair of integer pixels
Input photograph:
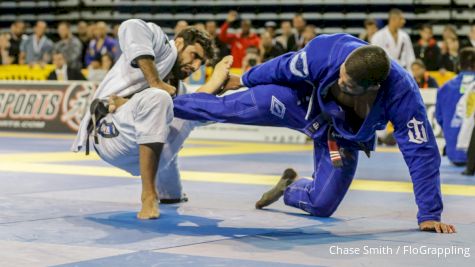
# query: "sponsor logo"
{"type": "Point", "coordinates": [417, 133]}
{"type": "Point", "coordinates": [277, 108]}
{"type": "Point", "coordinates": [298, 65]}
{"type": "Point", "coordinates": [77, 99]}
{"type": "Point", "coordinates": [30, 104]}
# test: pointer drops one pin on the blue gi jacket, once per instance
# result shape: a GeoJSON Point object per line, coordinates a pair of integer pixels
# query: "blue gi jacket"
{"type": "Point", "coordinates": [447, 98]}
{"type": "Point", "coordinates": [398, 101]}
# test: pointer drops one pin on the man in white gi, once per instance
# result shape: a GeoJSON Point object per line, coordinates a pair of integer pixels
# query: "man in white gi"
{"type": "Point", "coordinates": [394, 40]}
{"type": "Point", "coordinates": [142, 133]}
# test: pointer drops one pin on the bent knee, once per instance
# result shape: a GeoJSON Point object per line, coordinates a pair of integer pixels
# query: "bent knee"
{"type": "Point", "coordinates": [320, 211]}
{"type": "Point", "coordinates": [158, 96]}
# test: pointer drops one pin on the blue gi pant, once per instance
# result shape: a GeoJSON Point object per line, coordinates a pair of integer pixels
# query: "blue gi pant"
{"type": "Point", "coordinates": [274, 105]}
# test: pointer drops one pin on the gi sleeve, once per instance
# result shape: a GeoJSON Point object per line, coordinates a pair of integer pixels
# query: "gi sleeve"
{"type": "Point", "coordinates": [418, 145]}
{"type": "Point", "coordinates": [136, 39]}
{"type": "Point", "coordinates": [291, 68]}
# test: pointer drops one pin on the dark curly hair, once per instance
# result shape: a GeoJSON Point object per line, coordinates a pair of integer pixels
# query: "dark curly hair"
{"type": "Point", "coordinates": [192, 35]}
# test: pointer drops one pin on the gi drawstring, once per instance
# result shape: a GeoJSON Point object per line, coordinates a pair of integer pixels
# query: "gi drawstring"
{"type": "Point", "coordinates": [334, 150]}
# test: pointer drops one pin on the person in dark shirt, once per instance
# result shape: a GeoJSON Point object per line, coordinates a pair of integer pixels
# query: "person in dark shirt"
{"type": "Point", "coordinates": [427, 49]}
{"type": "Point", "coordinates": [62, 72]}
{"type": "Point", "coordinates": [422, 77]}
{"type": "Point", "coordinates": [269, 48]}
{"type": "Point", "coordinates": [450, 59]}
{"type": "Point", "coordinates": [222, 49]}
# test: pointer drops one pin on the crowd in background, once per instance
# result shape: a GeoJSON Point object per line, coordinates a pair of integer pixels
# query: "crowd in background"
{"type": "Point", "coordinates": [95, 47]}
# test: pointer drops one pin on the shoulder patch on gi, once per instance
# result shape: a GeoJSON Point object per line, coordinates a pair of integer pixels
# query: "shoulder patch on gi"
{"type": "Point", "coordinates": [298, 65]}
{"type": "Point", "coordinates": [108, 129]}
{"type": "Point", "coordinates": [417, 133]}
{"type": "Point", "coordinates": [277, 108]}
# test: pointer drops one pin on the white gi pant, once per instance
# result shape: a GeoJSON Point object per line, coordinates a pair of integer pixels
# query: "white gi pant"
{"type": "Point", "coordinates": [146, 118]}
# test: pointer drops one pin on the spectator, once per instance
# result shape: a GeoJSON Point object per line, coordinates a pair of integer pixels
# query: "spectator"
{"type": "Point", "coordinates": [309, 33]}
{"type": "Point", "coordinates": [5, 58]}
{"type": "Point", "coordinates": [269, 48]}
{"type": "Point", "coordinates": [450, 60]}
{"type": "Point", "coordinates": [470, 40]}
{"type": "Point", "coordinates": [62, 71]}
{"type": "Point", "coordinates": [101, 44]}
{"type": "Point", "coordinates": [180, 25]}
{"type": "Point", "coordinates": [295, 41]}
{"type": "Point", "coordinates": [286, 32]}
{"type": "Point", "coordinates": [17, 30]}
{"type": "Point", "coordinates": [84, 36]}
{"type": "Point", "coordinates": [37, 47]}
{"type": "Point", "coordinates": [222, 49]}
{"type": "Point", "coordinates": [69, 45]}
{"type": "Point", "coordinates": [239, 42]}
{"type": "Point", "coordinates": [115, 32]}
{"type": "Point", "coordinates": [448, 32]}
{"type": "Point", "coordinates": [427, 49]}
{"type": "Point", "coordinates": [421, 75]}
{"type": "Point", "coordinates": [270, 28]}
{"type": "Point", "coordinates": [251, 59]}
{"type": "Point", "coordinates": [99, 67]}
{"type": "Point", "coordinates": [394, 40]}
{"type": "Point", "coordinates": [370, 29]}
{"type": "Point", "coordinates": [448, 97]}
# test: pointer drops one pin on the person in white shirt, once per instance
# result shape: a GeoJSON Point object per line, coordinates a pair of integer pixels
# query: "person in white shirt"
{"type": "Point", "coordinates": [394, 40]}
{"type": "Point", "coordinates": [141, 136]}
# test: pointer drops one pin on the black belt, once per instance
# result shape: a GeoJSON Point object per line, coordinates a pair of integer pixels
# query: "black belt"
{"type": "Point", "coordinates": [98, 111]}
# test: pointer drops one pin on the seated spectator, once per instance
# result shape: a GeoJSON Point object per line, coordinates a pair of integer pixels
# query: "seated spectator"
{"type": "Point", "coordinates": [309, 33]}
{"type": "Point", "coordinates": [448, 97]}
{"type": "Point", "coordinates": [63, 72]}
{"type": "Point", "coordinates": [222, 49]}
{"type": "Point", "coordinates": [36, 49]}
{"type": "Point", "coordinates": [269, 48]}
{"type": "Point", "coordinates": [470, 40]}
{"type": "Point", "coordinates": [180, 25]}
{"type": "Point", "coordinates": [421, 75]}
{"type": "Point", "coordinates": [101, 44]}
{"type": "Point", "coordinates": [371, 28]}
{"type": "Point", "coordinates": [285, 33]}
{"type": "Point", "coordinates": [16, 35]}
{"type": "Point", "coordinates": [99, 67]}
{"type": "Point", "coordinates": [394, 40]}
{"type": "Point", "coordinates": [450, 60]}
{"type": "Point", "coordinates": [240, 41]}
{"type": "Point", "coordinates": [5, 58]}
{"type": "Point", "coordinates": [448, 32]}
{"type": "Point", "coordinates": [69, 45]}
{"type": "Point", "coordinates": [427, 49]}
{"type": "Point", "coordinates": [295, 41]}
{"type": "Point", "coordinates": [270, 28]}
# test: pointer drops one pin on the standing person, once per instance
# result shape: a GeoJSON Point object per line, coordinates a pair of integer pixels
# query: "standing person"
{"type": "Point", "coordinates": [470, 40]}
{"type": "Point", "coordinates": [62, 71]}
{"type": "Point", "coordinates": [141, 136]}
{"type": "Point", "coordinates": [85, 37]}
{"type": "Point", "coordinates": [339, 99]}
{"type": "Point", "coordinates": [240, 41]}
{"type": "Point", "coordinates": [450, 60]}
{"type": "Point", "coordinates": [421, 75]}
{"type": "Point", "coordinates": [101, 44]}
{"type": "Point", "coordinates": [17, 34]}
{"type": "Point", "coordinates": [427, 49]}
{"type": "Point", "coordinates": [448, 98]}
{"type": "Point", "coordinates": [295, 41]}
{"type": "Point", "coordinates": [221, 49]}
{"type": "Point", "coordinates": [37, 48]}
{"type": "Point", "coordinates": [285, 33]}
{"type": "Point", "coordinates": [371, 28]}
{"type": "Point", "coordinates": [309, 33]}
{"type": "Point", "coordinates": [394, 40]}
{"type": "Point", "coordinates": [270, 28]}
{"type": "Point", "coordinates": [69, 45]}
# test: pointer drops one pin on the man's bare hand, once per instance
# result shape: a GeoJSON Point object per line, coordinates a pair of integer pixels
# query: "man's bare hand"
{"type": "Point", "coordinates": [116, 102]}
{"type": "Point", "coordinates": [232, 16]}
{"type": "Point", "coordinates": [233, 83]}
{"type": "Point", "coordinates": [439, 227]}
{"type": "Point", "coordinates": [165, 86]}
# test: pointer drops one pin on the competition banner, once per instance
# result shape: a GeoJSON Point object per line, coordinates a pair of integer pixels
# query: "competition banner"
{"type": "Point", "coordinates": [55, 107]}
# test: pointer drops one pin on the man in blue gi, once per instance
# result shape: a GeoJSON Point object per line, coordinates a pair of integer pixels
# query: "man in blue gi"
{"type": "Point", "coordinates": [448, 97]}
{"type": "Point", "coordinates": [338, 90]}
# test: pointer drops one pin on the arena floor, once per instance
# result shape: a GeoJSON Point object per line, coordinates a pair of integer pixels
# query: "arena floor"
{"type": "Point", "coordinates": [63, 209]}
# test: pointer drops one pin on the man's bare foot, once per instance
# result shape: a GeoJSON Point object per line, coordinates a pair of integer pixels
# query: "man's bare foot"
{"type": "Point", "coordinates": [149, 208]}
{"type": "Point", "coordinates": [271, 196]}
{"type": "Point", "coordinates": [116, 102]}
